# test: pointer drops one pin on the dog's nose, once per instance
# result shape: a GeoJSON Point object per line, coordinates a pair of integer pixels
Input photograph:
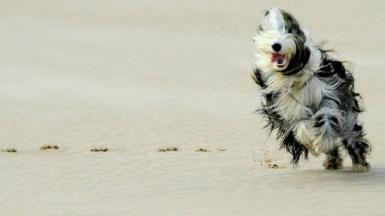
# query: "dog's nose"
{"type": "Point", "coordinates": [276, 47]}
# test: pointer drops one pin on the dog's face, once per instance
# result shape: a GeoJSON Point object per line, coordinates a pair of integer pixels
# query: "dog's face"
{"type": "Point", "coordinates": [281, 43]}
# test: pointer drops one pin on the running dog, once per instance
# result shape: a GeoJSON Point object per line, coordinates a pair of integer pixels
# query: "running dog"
{"type": "Point", "coordinates": [308, 97]}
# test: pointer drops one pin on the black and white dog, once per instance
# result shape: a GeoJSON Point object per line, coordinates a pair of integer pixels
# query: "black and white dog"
{"type": "Point", "coordinates": [308, 96]}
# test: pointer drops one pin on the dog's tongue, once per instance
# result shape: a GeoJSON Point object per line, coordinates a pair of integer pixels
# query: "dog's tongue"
{"type": "Point", "coordinates": [277, 58]}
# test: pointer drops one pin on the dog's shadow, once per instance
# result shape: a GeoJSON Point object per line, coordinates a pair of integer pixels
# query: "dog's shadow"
{"type": "Point", "coordinates": [376, 176]}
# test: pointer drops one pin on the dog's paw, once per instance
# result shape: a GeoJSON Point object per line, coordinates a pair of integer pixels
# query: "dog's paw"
{"type": "Point", "coordinates": [361, 167]}
{"type": "Point", "coordinates": [327, 121]}
{"type": "Point", "coordinates": [303, 133]}
{"type": "Point", "coordinates": [326, 131]}
{"type": "Point", "coordinates": [333, 164]}
{"type": "Point", "coordinates": [324, 143]}
{"type": "Point", "coordinates": [320, 120]}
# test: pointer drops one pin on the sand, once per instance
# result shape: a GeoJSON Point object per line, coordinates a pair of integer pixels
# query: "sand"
{"type": "Point", "coordinates": [135, 77]}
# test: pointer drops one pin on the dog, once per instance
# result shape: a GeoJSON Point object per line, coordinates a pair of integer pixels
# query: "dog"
{"type": "Point", "coordinates": [308, 97]}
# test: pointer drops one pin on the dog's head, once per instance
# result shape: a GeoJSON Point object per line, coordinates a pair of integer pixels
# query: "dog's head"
{"type": "Point", "coordinates": [281, 43]}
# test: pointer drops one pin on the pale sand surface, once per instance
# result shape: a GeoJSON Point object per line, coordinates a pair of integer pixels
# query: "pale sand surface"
{"type": "Point", "coordinates": [136, 76]}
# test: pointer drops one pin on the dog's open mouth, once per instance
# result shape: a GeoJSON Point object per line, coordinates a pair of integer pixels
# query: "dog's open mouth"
{"type": "Point", "coordinates": [279, 61]}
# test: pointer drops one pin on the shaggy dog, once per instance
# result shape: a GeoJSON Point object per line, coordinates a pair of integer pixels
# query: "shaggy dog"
{"type": "Point", "coordinates": [308, 96]}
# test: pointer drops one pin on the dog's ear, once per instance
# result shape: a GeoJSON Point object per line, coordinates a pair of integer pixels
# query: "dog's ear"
{"type": "Point", "coordinates": [339, 68]}
{"type": "Point", "coordinates": [298, 62]}
{"type": "Point", "coordinates": [306, 55]}
{"type": "Point", "coordinates": [258, 78]}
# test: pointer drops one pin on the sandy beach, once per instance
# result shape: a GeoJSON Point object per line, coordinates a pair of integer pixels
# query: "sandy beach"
{"type": "Point", "coordinates": [160, 91]}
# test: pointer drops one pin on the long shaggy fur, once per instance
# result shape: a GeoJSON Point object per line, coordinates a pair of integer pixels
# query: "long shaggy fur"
{"type": "Point", "coordinates": [308, 96]}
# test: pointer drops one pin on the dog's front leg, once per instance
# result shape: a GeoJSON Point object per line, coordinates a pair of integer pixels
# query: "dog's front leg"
{"type": "Point", "coordinates": [321, 132]}
{"type": "Point", "coordinates": [305, 134]}
{"type": "Point", "coordinates": [326, 128]}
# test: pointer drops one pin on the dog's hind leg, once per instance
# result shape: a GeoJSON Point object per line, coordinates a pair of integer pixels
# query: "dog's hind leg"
{"type": "Point", "coordinates": [333, 160]}
{"type": "Point", "coordinates": [295, 148]}
{"type": "Point", "coordinates": [358, 148]}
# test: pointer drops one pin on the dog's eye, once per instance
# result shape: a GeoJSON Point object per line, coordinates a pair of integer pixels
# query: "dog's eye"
{"type": "Point", "coordinates": [260, 28]}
